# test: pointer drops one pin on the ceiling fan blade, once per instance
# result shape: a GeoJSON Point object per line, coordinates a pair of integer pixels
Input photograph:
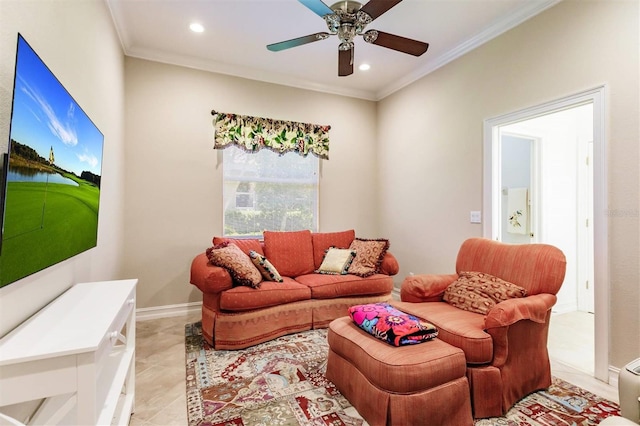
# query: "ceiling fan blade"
{"type": "Point", "coordinates": [395, 42]}
{"type": "Point", "coordinates": [276, 47]}
{"type": "Point", "coordinates": [317, 7]}
{"type": "Point", "coordinates": [375, 8]}
{"type": "Point", "coordinates": [345, 62]}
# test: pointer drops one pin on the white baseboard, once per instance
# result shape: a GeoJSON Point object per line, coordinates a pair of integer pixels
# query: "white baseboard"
{"type": "Point", "coordinates": [144, 314]}
{"type": "Point", "coordinates": [613, 376]}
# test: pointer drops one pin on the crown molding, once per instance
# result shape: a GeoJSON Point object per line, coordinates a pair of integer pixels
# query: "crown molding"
{"type": "Point", "coordinates": [498, 28]}
{"type": "Point", "coordinates": [245, 72]}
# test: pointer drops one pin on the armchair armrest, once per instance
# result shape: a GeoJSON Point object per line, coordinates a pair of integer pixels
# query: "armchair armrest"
{"type": "Point", "coordinates": [425, 287]}
{"type": "Point", "coordinates": [510, 311]}
{"type": "Point", "coordinates": [207, 277]}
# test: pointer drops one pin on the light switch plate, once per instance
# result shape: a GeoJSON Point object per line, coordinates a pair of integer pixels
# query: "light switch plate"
{"type": "Point", "coordinates": [476, 216]}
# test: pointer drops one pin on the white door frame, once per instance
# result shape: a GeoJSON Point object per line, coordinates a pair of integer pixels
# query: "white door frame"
{"type": "Point", "coordinates": [596, 96]}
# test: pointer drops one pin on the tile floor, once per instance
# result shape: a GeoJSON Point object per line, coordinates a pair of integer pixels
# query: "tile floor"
{"type": "Point", "coordinates": [160, 368]}
{"type": "Point", "coordinates": [570, 334]}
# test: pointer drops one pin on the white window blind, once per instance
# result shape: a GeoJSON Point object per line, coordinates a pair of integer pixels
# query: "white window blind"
{"type": "Point", "coordinates": [267, 191]}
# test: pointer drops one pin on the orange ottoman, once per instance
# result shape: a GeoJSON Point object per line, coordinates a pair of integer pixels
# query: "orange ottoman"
{"type": "Point", "coordinates": [422, 384]}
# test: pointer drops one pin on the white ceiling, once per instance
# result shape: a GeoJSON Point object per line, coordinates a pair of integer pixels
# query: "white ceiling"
{"type": "Point", "coordinates": [237, 32]}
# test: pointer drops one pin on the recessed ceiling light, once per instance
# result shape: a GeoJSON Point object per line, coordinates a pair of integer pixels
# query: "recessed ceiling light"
{"type": "Point", "coordinates": [196, 28]}
{"type": "Point", "coordinates": [364, 67]}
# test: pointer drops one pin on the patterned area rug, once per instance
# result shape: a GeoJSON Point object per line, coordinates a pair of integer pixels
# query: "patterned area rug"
{"type": "Point", "coordinates": [282, 382]}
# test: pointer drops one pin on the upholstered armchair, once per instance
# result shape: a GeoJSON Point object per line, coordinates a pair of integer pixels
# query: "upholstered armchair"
{"type": "Point", "coordinates": [506, 348]}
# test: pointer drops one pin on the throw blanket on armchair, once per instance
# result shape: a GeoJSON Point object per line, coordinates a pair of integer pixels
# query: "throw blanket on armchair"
{"type": "Point", "coordinates": [391, 325]}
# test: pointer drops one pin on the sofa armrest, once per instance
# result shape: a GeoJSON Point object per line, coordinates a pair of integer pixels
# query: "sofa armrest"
{"type": "Point", "coordinates": [510, 311]}
{"type": "Point", "coordinates": [425, 287]}
{"type": "Point", "coordinates": [389, 265]}
{"type": "Point", "coordinates": [207, 277]}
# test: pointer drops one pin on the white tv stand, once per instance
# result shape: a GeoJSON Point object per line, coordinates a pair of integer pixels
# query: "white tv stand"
{"type": "Point", "coordinates": [77, 354]}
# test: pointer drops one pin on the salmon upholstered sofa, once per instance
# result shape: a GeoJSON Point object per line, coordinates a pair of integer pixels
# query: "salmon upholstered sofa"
{"type": "Point", "coordinates": [237, 316]}
{"type": "Point", "coordinates": [506, 348]}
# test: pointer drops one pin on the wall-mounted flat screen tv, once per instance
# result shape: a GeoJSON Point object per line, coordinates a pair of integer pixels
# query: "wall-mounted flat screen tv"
{"type": "Point", "coordinates": [50, 174]}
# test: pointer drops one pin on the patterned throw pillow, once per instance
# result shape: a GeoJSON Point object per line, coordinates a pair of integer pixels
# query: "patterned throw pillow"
{"type": "Point", "coordinates": [239, 265]}
{"type": "Point", "coordinates": [369, 255]}
{"type": "Point", "coordinates": [245, 244]}
{"type": "Point", "coordinates": [268, 271]}
{"type": "Point", "coordinates": [336, 261]}
{"type": "Point", "coordinates": [479, 292]}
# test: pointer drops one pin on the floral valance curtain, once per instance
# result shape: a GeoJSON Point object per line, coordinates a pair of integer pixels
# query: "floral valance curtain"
{"type": "Point", "coordinates": [254, 133]}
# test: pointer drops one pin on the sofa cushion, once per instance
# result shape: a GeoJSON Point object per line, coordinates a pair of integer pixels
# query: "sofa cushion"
{"type": "Point", "coordinates": [269, 294]}
{"type": "Point", "coordinates": [389, 265]}
{"type": "Point", "coordinates": [290, 252]}
{"type": "Point", "coordinates": [323, 240]}
{"type": "Point", "coordinates": [239, 265]}
{"type": "Point", "coordinates": [369, 255]}
{"type": "Point", "coordinates": [479, 292]}
{"type": "Point", "coordinates": [336, 261]}
{"type": "Point", "coordinates": [462, 329]}
{"type": "Point", "coordinates": [246, 245]}
{"type": "Point", "coordinates": [332, 286]}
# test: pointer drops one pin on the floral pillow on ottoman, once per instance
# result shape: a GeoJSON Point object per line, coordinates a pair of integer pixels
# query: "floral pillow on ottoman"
{"type": "Point", "coordinates": [391, 325]}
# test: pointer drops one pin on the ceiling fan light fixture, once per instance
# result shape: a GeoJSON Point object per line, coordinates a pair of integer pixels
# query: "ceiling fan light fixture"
{"type": "Point", "coordinates": [348, 19]}
{"type": "Point", "coordinates": [364, 67]}
{"type": "Point", "coordinates": [333, 22]}
{"type": "Point", "coordinates": [345, 45]}
{"type": "Point", "coordinates": [346, 33]}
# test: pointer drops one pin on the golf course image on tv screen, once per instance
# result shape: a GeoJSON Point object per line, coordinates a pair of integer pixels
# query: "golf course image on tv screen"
{"type": "Point", "coordinates": [52, 182]}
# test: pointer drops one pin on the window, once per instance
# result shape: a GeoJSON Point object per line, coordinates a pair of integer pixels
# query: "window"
{"type": "Point", "coordinates": [267, 191]}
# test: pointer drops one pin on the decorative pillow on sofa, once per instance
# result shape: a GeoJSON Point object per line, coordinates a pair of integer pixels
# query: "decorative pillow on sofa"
{"type": "Point", "coordinates": [268, 271]}
{"type": "Point", "coordinates": [291, 252]}
{"type": "Point", "coordinates": [239, 265]}
{"type": "Point", "coordinates": [369, 255]}
{"type": "Point", "coordinates": [245, 244]}
{"type": "Point", "coordinates": [324, 240]}
{"type": "Point", "coordinates": [479, 292]}
{"type": "Point", "coordinates": [336, 261]}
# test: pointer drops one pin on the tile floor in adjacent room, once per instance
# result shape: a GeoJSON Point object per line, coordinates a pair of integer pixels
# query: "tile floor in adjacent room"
{"type": "Point", "coordinates": [160, 367]}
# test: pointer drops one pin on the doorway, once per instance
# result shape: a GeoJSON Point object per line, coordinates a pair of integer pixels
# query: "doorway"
{"type": "Point", "coordinates": [544, 178]}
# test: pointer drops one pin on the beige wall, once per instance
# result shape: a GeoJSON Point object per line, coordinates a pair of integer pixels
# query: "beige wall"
{"type": "Point", "coordinates": [173, 197]}
{"type": "Point", "coordinates": [78, 42]}
{"type": "Point", "coordinates": [431, 146]}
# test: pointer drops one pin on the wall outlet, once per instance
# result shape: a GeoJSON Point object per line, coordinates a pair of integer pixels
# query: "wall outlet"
{"type": "Point", "coordinates": [476, 216]}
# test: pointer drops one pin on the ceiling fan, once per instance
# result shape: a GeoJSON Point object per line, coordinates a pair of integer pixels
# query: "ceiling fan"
{"type": "Point", "coordinates": [348, 19]}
